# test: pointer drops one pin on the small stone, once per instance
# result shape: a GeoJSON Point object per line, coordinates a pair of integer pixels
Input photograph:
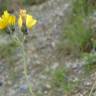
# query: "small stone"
{"type": "Point", "coordinates": [74, 66]}
{"type": "Point", "coordinates": [36, 56]}
{"type": "Point", "coordinates": [75, 79]}
{"type": "Point", "coordinates": [45, 92]}
{"type": "Point", "coordinates": [87, 83]}
{"type": "Point", "coordinates": [38, 62]}
{"type": "Point", "coordinates": [9, 82]}
{"type": "Point", "coordinates": [39, 92]}
{"type": "Point", "coordinates": [48, 86]}
{"type": "Point", "coordinates": [43, 77]}
{"type": "Point", "coordinates": [55, 65]}
{"type": "Point", "coordinates": [66, 6]}
{"type": "Point", "coordinates": [23, 87]}
{"type": "Point", "coordinates": [53, 44]}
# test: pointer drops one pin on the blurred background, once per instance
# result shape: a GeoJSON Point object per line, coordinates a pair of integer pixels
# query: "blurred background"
{"type": "Point", "coordinates": [60, 49]}
{"type": "Point", "coordinates": [15, 4]}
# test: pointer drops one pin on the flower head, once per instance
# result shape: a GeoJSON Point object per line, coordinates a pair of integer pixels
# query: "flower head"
{"type": "Point", "coordinates": [11, 19]}
{"type": "Point", "coordinates": [30, 21]}
{"type": "Point", "coordinates": [23, 13]}
{"type": "Point", "coordinates": [26, 20]}
{"type": "Point", "coordinates": [6, 20]}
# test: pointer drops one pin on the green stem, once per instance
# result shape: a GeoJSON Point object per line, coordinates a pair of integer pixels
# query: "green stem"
{"type": "Point", "coordinates": [21, 43]}
{"type": "Point", "coordinates": [25, 69]}
{"type": "Point", "coordinates": [25, 64]}
{"type": "Point", "coordinates": [24, 59]}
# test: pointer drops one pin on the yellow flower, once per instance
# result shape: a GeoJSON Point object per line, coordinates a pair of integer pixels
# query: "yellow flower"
{"type": "Point", "coordinates": [3, 23]}
{"type": "Point", "coordinates": [4, 20]}
{"type": "Point", "coordinates": [8, 19]}
{"type": "Point", "coordinates": [25, 19]}
{"type": "Point", "coordinates": [30, 21]}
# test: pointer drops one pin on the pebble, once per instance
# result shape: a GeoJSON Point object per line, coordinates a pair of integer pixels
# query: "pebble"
{"type": "Point", "coordinates": [38, 62]}
{"type": "Point", "coordinates": [23, 88]}
{"type": "Point", "coordinates": [43, 77]}
{"type": "Point", "coordinates": [45, 92]}
{"type": "Point", "coordinates": [9, 83]}
{"type": "Point", "coordinates": [75, 66]}
{"type": "Point", "coordinates": [87, 83]}
{"type": "Point", "coordinates": [36, 56]}
{"type": "Point", "coordinates": [53, 44]}
{"type": "Point", "coordinates": [48, 86]}
{"type": "Point", "coordinates": [55, 65]}
{"type": "Point", "coordinates": [75, 79]}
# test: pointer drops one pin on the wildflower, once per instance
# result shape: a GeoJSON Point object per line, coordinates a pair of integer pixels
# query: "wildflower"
{"type": "Point", "coordinates": [7, 20]}
{"type": "Point", "coordinates": [26, 20]}
{"type": "Point", "coordinates": [30, 22]}
{"type": "Point", "coordinates": [11, 19]}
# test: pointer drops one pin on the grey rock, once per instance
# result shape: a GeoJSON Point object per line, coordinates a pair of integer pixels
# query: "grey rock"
{"type": "Point", "coordinates": [23, 88]}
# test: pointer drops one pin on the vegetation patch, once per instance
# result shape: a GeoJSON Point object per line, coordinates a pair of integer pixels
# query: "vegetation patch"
{"type": "Point", "coordinates": [60, 80]}
{"type": "Point", "coordinates": [77, 35]}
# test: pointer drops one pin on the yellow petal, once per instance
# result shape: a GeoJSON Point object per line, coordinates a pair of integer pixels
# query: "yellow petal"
{"type": "Point", "coordinates": [30, 21]}
{"type": "Point", "coordinates": [20, 22]}
{"type": "Point", "coordinates": [5, 18]}
{"type": "Point", "coordinates": [12, 20]}
{"type": "Point", "coordinates": [2, 24]}
{"type": "Point", "coordinates": [5, 15]}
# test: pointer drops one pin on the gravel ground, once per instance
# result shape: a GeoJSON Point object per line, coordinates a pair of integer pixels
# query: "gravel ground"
{"type": "Point", "coordinates": [42, 59]}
